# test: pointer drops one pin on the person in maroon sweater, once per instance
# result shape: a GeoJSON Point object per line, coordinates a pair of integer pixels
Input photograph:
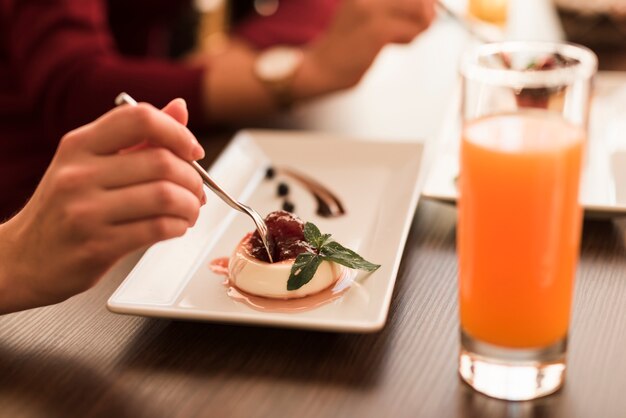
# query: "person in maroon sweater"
{"type": "Point", "coordinates": [63, 61]}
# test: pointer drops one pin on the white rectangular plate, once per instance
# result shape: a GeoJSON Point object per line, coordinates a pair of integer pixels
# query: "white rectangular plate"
{"type": "Point", "coordinates": [603, 187]}
{"type": "Point", "coordinates": [378, 182]}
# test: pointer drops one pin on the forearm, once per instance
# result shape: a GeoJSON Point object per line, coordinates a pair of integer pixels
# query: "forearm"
{"type": "Point", "coordinates": [335, 59]}
{"type": "Point", "coordinates": [233, 92]}
{"type": "Point", "coordinates": [14, 292]}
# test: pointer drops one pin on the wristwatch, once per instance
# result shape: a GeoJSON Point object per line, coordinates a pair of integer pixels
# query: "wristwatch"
{"type": "Point", "coordinates": [276, 68]}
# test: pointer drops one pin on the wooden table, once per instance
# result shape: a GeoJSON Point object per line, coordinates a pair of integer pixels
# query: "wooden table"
{"type": "Point", "coordinates": [77, 359]}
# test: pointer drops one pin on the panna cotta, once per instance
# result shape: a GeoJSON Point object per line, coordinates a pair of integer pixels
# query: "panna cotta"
{"type": "Point", "coordinates": [269, 280]}
{"type": "Point", "coordinates": [305, 263]}
{"type": "Point", "coordinates": [249, 268]}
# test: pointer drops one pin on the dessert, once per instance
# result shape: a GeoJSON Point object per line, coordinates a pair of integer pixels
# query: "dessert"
{"type": "Point", "coordinates": [306, 262]}
{"type": "Point", "coordinates": [270, 280]}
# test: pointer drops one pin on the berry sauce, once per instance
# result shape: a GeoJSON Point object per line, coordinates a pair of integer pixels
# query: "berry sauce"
{"type": "Point", "coordinates": [285, 238]}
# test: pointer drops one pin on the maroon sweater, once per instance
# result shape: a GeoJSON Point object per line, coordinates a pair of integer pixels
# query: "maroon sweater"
{"type": "Point", "coordinates": [62, 62]}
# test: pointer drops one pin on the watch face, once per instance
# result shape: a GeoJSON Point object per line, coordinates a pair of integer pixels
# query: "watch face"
{"type": "Point", "coordinates": [278, 63]}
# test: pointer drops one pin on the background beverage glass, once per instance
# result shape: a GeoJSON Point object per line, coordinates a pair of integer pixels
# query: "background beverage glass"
{"type": "Point", "coordinates": [492, 11]}
{"type": "Point", "coordinates": [525, 112]}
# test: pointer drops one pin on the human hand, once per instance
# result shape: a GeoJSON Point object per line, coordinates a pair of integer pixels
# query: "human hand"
{"type": "Point", "coordinates": [336, 60]}
{"type": "Point", "coordinates": [116, 185]}
{"type": "Point", "coordinates": [361, 28]}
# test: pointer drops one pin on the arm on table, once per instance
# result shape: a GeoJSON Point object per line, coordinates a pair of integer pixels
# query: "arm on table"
{"type": "Point", "coordinates": [64, 53]}
{"type": "Point", "coordinates": [336, 59]}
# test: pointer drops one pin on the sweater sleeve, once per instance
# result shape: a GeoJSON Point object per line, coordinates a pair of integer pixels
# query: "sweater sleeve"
{"type": "Point", "coordinates": [68, 67]}
{"type": "Point", "coordinates": [296, 22]}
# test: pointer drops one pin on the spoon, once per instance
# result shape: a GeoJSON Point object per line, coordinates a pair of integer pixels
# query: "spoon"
{"type": "Point", "coordinates": [125, 98]}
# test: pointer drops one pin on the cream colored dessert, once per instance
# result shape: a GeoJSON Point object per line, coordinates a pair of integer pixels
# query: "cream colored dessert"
{"type": "Point", "coordinates": [317, 260]}
{"type": "Point", "coordinates": [270, 279]}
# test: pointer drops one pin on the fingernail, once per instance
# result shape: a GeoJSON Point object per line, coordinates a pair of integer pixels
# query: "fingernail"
{"type": "Point", "coordinates": [180, 101]}
{"type": "Point", "coordinates": [197, 151]}
{"type": "Point", "coordinates": [203, 200]}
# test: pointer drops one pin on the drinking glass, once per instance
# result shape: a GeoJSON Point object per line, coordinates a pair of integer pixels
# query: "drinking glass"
{"type": "Point", "coordinates": [525, 111]}
{"type": "Point", "coordinates": [492, 11]}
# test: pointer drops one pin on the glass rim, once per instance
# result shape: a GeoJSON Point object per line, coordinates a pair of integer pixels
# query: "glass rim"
{"type": "Point", "coordinates": [586, 67]}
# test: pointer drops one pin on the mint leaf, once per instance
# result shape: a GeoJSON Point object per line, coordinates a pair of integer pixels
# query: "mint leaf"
{"type": "Point", "coordinates": [306, 264]}
{"type": "Point", "coordinates": [333, 251]}
{"type": "Point", "coordinates": [311, 233]}
{"type": "Point", "coordinates": [303, 270]}
{"type": "Point", "coordinates": [314, 237]}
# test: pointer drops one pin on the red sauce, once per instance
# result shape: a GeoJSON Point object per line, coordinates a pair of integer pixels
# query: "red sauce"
{"type": "Point", "coordinates": [219, 266]}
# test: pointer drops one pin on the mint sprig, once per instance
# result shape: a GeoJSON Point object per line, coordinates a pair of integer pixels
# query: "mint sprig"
{"type": "Point", "coordinates": [306, 264]}
{"type": "Point", "coordinates": [333, 251]}
{"type": "Point", "coordinates": [314, 237]}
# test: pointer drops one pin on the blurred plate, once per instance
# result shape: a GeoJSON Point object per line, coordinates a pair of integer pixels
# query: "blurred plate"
{"type": "Point", "coordinates": [603, 188]}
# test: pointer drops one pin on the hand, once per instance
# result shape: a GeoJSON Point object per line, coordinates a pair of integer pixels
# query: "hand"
{"type": "Point", "coordinates": [337, 60]}
{"type": "Point", "coordinates": [360, 30]}
{"type": "Point", "coordinates": [116, 185]}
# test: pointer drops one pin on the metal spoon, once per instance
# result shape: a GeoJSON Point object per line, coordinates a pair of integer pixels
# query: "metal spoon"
{"type": "Point", "coordinates": [124, 98]}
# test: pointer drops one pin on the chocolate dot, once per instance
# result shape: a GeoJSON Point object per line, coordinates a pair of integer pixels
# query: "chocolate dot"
{"type": "Point", "coordinates": [288, 206]}
{"type": "Point", "coordinates": [283, 189]}
{"type": "Point", "coordinates": [270, 173]}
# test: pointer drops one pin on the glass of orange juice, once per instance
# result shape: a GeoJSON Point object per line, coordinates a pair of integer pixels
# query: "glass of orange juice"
{"type": "Point", "coordinates": [492, 11]}
{"type": "Point", "coordinates": [525, 111]}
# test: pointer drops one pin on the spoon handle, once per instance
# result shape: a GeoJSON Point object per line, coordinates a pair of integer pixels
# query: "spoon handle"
{"type": "Point", "coordinates": [221, 193]}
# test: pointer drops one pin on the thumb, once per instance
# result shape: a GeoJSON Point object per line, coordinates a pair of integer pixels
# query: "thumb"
{"type": "Point", "coordinates": [177, 109]}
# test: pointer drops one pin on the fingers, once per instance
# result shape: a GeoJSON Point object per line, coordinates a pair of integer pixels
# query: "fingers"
{"type": "Point", "coordinates": [128, 126]}
{"type": "Point", "coordinates": [402, 32]}
{"type": "Point", "coordinates": [134, 235]}
{"type": "Point", "coordinates": [177, 109]}
{"type": "Point", "coordinates": [399, 21]}
{"type": "Point", "coordinates": [429, 11]}
{"type": "Point", "coordinates": [147, 165]}
{"type": "Point", "coordinates": [420, 12]}
{"type": "Point", "coordinates": [149, 200]}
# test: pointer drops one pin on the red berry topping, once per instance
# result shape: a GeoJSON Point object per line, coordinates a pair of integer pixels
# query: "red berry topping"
{"type": "Point", "coordinates": [286, 234]}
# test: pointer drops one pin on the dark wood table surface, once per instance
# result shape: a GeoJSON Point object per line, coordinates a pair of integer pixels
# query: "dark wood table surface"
{"type": "Point", "coordinates": [78, 359]}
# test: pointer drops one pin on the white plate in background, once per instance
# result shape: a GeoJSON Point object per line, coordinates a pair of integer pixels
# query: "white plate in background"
{"type": "Point", "coordinates": [603, 188]}
{"type": "Point", "coordinates": [379, 184]}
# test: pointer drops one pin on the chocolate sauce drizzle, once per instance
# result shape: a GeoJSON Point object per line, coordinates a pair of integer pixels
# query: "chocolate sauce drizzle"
{"type": "Point", "coordinates": [328, 204]}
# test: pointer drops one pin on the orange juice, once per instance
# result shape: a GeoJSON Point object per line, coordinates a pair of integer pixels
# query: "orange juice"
{"type": "Point", "coordinates": [519, 227]}
{"type": "Point", "coordinates": [492, 11]}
